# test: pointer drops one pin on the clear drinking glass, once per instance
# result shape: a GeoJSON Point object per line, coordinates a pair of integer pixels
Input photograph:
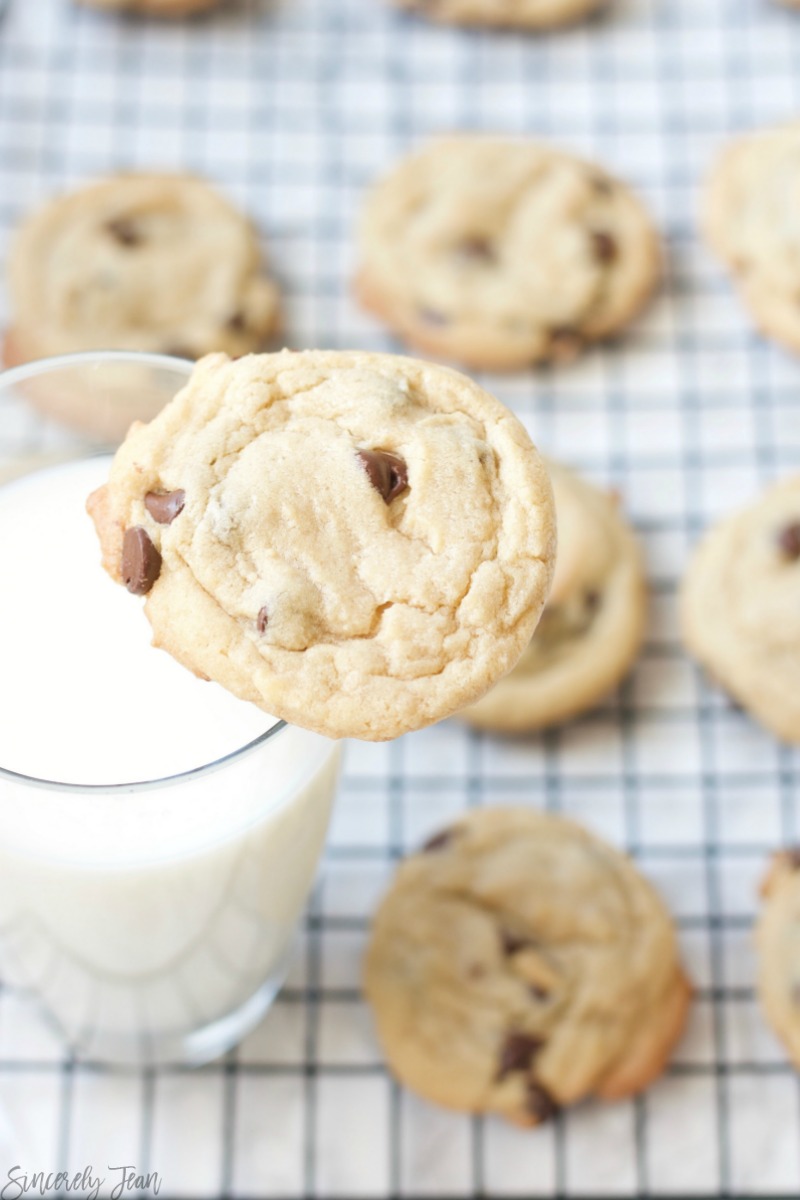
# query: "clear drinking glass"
{"type": "Point", "coordinates": [151, 918]}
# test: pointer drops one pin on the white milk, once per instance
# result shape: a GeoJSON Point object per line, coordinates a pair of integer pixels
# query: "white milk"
{"type": "Point", "coordinates": [154, 922]}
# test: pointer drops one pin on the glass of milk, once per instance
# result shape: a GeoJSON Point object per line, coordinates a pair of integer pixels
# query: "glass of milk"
{"type": "Point", "coordinates": [158, 837]}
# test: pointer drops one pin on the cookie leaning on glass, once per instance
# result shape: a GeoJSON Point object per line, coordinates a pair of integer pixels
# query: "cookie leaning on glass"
{"type": "Point", "coordinates": [499, 253]}
{"type": "Point", "coordinates": [518, 964]}
{"type": "Point", "coordinates": [593, 624]}
{"type": "Point", "coordinates": [358, 543]}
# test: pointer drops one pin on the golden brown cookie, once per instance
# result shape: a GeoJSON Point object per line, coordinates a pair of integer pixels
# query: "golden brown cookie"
{"type": "Point", "coordinates": [155, 8]}
{"type": "Point", "coordinates": [358, 543]}
{"type": "Point", "coordinates": [519, 964]}
{"type": "Point", "coordinates": [750, 220]}
{"type": "Point", "coordinates": [740, 607]}
{"type": "Point", "coordinates": [498, 254]}
{"type": "Point", "coordinates": [778, 941]}
{"type": "Point", "coordinates": [515, 14]}
{"type": "Point", "coordinates": [593, 624]}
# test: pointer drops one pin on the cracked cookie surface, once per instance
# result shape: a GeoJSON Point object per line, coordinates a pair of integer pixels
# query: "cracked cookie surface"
{"type": "Point", "coordinates": [594, 621]}
{"type": "Point", "coordinates": [521, 14]}
{"type": "Point", "coordinates": [750, 220]}
{"type": "Point", "coordinates": [518, 964]}
{"type": "Point", "coordinates": [358, 543]}
{"type": "Point", "coordinates": [499, 254]}
{"type": "Point", "coordinates": [158, 263]}
{"type": "Point", "coordinates": [778, 943]}
{"type": "Point", "coordinates": [740, 607]}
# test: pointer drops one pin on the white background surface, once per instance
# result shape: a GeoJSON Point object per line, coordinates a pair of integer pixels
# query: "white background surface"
{"type": "Point", "coordinates": [293, 107]}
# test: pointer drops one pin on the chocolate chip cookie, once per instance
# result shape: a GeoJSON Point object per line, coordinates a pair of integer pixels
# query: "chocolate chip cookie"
{"type": "Point", "coordinates": [518, 964]}
{"type": "Point", "coordinates": [778, 942]}
{"type": "Point", "coordinates": [155, 8]}
{"type": "Point", "coordinates": [499, 254]}
{"type": "Point", "coordinates": [521, 14]}
{"type": "Point", "coordinates": [138, 262]}
{"type": "Point", "coordinates": [740, 607]}
{"type": "Point", "coordinates": [358, 543]}
{"type": "Point", "coordinates": [749, 217]}
{"type": "Point", "coordinates": [592, 626]}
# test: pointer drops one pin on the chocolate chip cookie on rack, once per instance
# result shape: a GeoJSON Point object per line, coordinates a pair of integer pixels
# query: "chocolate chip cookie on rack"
{"type": "Point", "coordinates": [518, 964]}
{"type": "Point", "coordinates": [740, 607]}
{"type": "Point", "coordinates": [593, 624]}
{"type": "Point", "coordinates": [358, 543]}
{"type": "Point", "coordinates": [155, 8]}
{"type": "Point", "coordinates": [498, 254]}
{"type": "Point", "coordinates": [778, 942]}
{"type": "Point", "coordinates": [750, 220]}
{"type": "Point", "coordinates": [158, 263]}
{"type": "Point", "coordinates": [518, 14]}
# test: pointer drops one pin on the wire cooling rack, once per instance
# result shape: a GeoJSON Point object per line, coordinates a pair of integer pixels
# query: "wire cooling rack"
{"type": "Point", "coordinates": [293, 107]}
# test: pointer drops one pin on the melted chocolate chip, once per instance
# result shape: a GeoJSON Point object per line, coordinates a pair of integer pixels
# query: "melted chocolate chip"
{"type": "Point", "coordinates": [604, 246]}
{"type": "Point", "coordinates": [125, 231]}
{"type": "Point", "coordinates": [792, 857]}
{"type": "Point", "coordinates": [513, 943]}
{"type": "Point", "coordinates": [476, 248]}
{"type": "Point", "coordinates": [591, 601]}
{"type": "Point", "coordinates": [439, 841]}
{"type": "Point", "coordinates": [789, 541]}
{"type": "Point", "coordinates": [539, 1103]}
{"type": "Point", "coordinates": [165, 506]}
{"type": "Point", "coordinates": [237, 323]}
{"type": "Point", "coordinates": [538, 992]}
{"type": "Point", "coordinates": [517, 1053]}
{"type": "Point", "coordinates": [387, 472]}
{"type": "Point", "coordinates": [262, 620]}
{"type": "Point", "coordinates": [566, 343]}
{"type": "Point", "coordinates": [141, 561]}
{"type": "Point", "coordinates": [432, 316]}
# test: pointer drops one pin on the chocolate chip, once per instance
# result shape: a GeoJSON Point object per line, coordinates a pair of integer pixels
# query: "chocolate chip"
{"type": "Point", "coordinates": [513, 943]}
{"type": "Point", "coordinates": [539, 1103]}
{"type": "Point", "coordinates": [518, 1052]}
{"type": "Point", "coordinates": [432, 316]}
{"type": "Point", "coordinates": [387, 472]}
{"type": "Point", "coordinates": [476, 248]}
{"type": "Point", "coordinates": [565, 343]}
{"type": "Point", "coordinates": [538, 993]}
{"type": "Point", "coordinates": [604, 246]}
{"type": "Point", "coordinates": [602, 185]}
{"type": "Point", "coordinates": [591, 601]}
{"type": "Point", "coordinates": [789, 541]}
{"type": "Point", "coordinates": [125, 231]}
{"type": "Point", "coordinates": [439, 841]}
{"type": "Point", "coordinates": [792, 857]}
{"type": "Point", "coordinates": [165, 506]}
{"type": "Point", "coordinates": [237, 323]}
{"type": "Point", "coordinates": [262, 620]}
{"type": "Point", "coordinates": [141, 561]}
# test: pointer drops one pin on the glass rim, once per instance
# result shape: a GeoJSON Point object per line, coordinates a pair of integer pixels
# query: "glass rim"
{"type": "Point", "coordinates": [9, 378]}
{"type": "Point", "coordinates": [37, 366]}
